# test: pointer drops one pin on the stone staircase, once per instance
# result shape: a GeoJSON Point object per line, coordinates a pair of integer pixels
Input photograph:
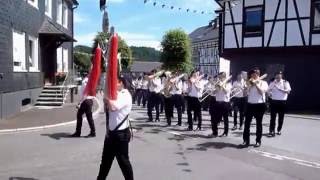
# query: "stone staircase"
{"type": "Point", "coordinates": [51, 96]}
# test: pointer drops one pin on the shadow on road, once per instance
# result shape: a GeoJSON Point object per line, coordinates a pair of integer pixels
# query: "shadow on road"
{"type": "Point", "coordinates": [21, 178]}
{"type": "Point", "coordinates": [214, 145]}
{"type": "Point", "coordinates": [57, 136]}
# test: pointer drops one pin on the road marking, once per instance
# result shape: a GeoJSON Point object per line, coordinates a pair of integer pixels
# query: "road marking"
{"type": "Point", "coordinates": [282, 158]}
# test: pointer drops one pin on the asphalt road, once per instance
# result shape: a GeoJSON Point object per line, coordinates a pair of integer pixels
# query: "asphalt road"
{"type": "Point", "coordinates": [158, 152]}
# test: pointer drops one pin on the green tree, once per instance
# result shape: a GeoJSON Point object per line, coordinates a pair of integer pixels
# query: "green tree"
{"type": "Point", "coordinates": [126, 54]}
{"type": "Point", "coordinates": [82, 61]}
{"type": "Point", "coordinates": [176, 54]}
{"type": "Point", "coordinates": [145, 53]}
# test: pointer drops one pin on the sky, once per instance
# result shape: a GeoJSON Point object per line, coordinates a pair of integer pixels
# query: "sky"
{"type": "Point", "coordinates": [139, 23]}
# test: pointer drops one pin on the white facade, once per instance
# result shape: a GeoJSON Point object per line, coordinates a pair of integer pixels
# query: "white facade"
{"type": "Point", "coordinates": [284, 23]}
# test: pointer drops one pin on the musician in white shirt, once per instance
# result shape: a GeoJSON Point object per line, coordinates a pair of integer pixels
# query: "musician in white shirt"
{"type": "Point", "coordinates": [278, 90]}
{"type": "Point", "coordinates": [239, 101]}
{"type": "Point", "coordinates": [195, 92]}
{"type": "Point", "coordinates": [85, 107]}
{"type": "Point", "coordinates": [117, 139]}
{"type": "Point", "coordinates": [177, 98]}
{"type": "Point", "coordinates": [155, 87]}
{"type": "Point", "coordinates": [145, 90]}
{"type": "Point", "coordinates": [222, 105]}
{"type": "Point", "coordinates": [139, 90]}
{"type": "Point", "coordinates": [256, 106]}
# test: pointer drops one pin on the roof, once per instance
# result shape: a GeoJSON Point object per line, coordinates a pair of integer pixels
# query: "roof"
{"type": "Point", "coordinates": [144, 66]}
{"type": "Point", "coordinates": [204, 33]}
{"type": "Point", "coordinates": [221, 2]}
{"type": "Point", "coordinates": [50, 28]}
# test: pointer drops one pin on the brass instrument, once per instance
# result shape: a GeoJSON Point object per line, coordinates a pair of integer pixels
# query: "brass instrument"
{"type": "Point", "coordinates": [217, 85]}
{"type": "Point", "coordinates": [156, 75]}
{"type": "Point", "coordinates": [251, 81]}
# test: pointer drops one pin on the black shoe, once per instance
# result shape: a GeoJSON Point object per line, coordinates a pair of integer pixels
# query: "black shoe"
{"type": "Point", "coordinates": [75, 135]}
{"type": "Point", "coordinates": [213, 135]}
{"type": "Point", "coordinates": [240, 128]}
{"type": "Point", "coordinates": [234, 128]}
{"type": "Point", "coordinates": [224, 134]}
{"type": "Point", "coordinates": [179, 124]}
{"type": "Point", "coordinates": [198, 128]}
{"type": "Point", "coordinates": [279, 133]}
{"type": "Point", "coordinates": [157, 120]}
{"type": "Point", "coordinates": [244, 145]}
{"type": "Point", "coordinates": [258, 144]}
{"type": "Point", "coordinates": [189, 129]}
{"type": "Point", "coordinates": [91, 135]}
{"type": "Point", "coordinates": [271, 134]}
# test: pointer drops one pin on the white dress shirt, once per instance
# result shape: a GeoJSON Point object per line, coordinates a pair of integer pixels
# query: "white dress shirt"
{"type": "Point", "coordinates": [196, 92]}
{"type": "Point", "coordinates": [224, 96]}
{"type": "Point", "coordinates": [254, 97]}
{"type": "Point", "coordinates": [239, 88]}
{"type": "Point", "coordinates": [155, 85]}
{"type": "Point", "coordinates": [276, 93]}
{"type": "Point", "coordinates": [177, 88]}
{"type": "Point", "coordinates": [139, 84]}
{"type": "Point", "coordinates": [144, 84]}
{"type": "Point", "coordinates": [83, 88]}
{"type": "Point", "coordinates": [185, 87]}
{"type": "Point", "coordinates": [124, 106]}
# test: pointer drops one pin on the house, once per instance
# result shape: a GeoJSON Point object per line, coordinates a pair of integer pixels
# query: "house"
{"type": "Point", "coordinates": [36, 42]}
{"type": "Point", "coordinates": [275, 35]}
{"type": "Point", "coordinates": [140, 67]}
{"type": "Point", "coordinates": [205, 48]}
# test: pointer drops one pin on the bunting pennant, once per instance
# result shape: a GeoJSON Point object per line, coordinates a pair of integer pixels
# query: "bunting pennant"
{"type": "Point", "coordinates": [155, 3]}
{"type": "Point", "coordinates": [102, 4]}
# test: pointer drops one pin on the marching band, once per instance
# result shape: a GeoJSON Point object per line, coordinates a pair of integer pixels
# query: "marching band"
{"type": "Point", "coordinates": [247, 96]}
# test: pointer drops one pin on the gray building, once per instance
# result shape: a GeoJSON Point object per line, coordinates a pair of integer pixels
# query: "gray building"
{"type": "Point", "coordinates": [36, 42]}
{"type": "Point", "coordinates": [205, 48]}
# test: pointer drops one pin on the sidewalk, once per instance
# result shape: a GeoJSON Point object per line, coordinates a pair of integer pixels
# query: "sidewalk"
{"type": "Point", "coordinates": [42, 118]}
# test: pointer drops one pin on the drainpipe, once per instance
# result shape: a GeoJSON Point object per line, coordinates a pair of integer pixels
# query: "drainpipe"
{"type": "Point", "coordinates": [72, 58]}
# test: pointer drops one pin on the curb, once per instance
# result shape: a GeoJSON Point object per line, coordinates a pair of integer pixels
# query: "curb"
{"type": "Point", "coordinates": [6, 131]}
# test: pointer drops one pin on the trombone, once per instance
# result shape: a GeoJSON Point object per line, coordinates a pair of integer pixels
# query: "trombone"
{"type": "Point", "coordinates": [211, 90]}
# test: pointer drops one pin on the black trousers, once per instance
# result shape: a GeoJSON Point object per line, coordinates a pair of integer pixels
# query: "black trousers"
{"type": "Point", "coordinates": [238, 106]}
{"type": "Point", "coordinates": [138, 96]}
{"type": "Point", "coordinates": [85, 108]}
{"type": "Point", "coordinates": [195, 106]}
{"type": "Point", "coordinates": [145, 96]}
{"type": "Point", "coordinates": [257, 111]}
{"type": "Point", "coordinates": [168, 109]}
{"type": "Point", "coordinates": [154, 102]}
{"type": "Point", "coordinates": [178, 102]}
{"type": "Point", "coordinates": [184, 101]}
{"type": "Point", "coordinates": [221, 111]}
{"type": "Point", "coordinates": [161, 103]}
{"type": "Point", "coordinates": [277, 107]}
{"type": "Point", "coordinates": [116, 144]}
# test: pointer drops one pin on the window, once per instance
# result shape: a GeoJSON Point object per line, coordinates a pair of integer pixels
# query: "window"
{"type": "Point", "coordinates": [33, 54]}
{"type": "Point", "coordinates": [48, 7]}
{"type": "Point", "coordinates": [253, 21]}
{"type": "Point", "coordinates": [65, 60]}
{"type": "Point", "coordinates": [59, 11]}
{"type": "Point", "coordinates": [34, 3]}
{"type": "Point", "coordinates": [316, 21]}
{"type": "Point", "coordinates": [65, 15]}
{"type": "Point", "coordinates": [19, 51]}
{"type": "Point", "coordinates": [62, 59]}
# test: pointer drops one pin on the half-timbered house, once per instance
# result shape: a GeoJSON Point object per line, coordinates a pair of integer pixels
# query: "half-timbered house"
{"type": "Point", "coordinates": [275, 35]}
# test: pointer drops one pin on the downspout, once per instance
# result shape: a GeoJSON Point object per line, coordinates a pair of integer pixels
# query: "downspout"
{"type": "Point", "coordinates": [72, 17]}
